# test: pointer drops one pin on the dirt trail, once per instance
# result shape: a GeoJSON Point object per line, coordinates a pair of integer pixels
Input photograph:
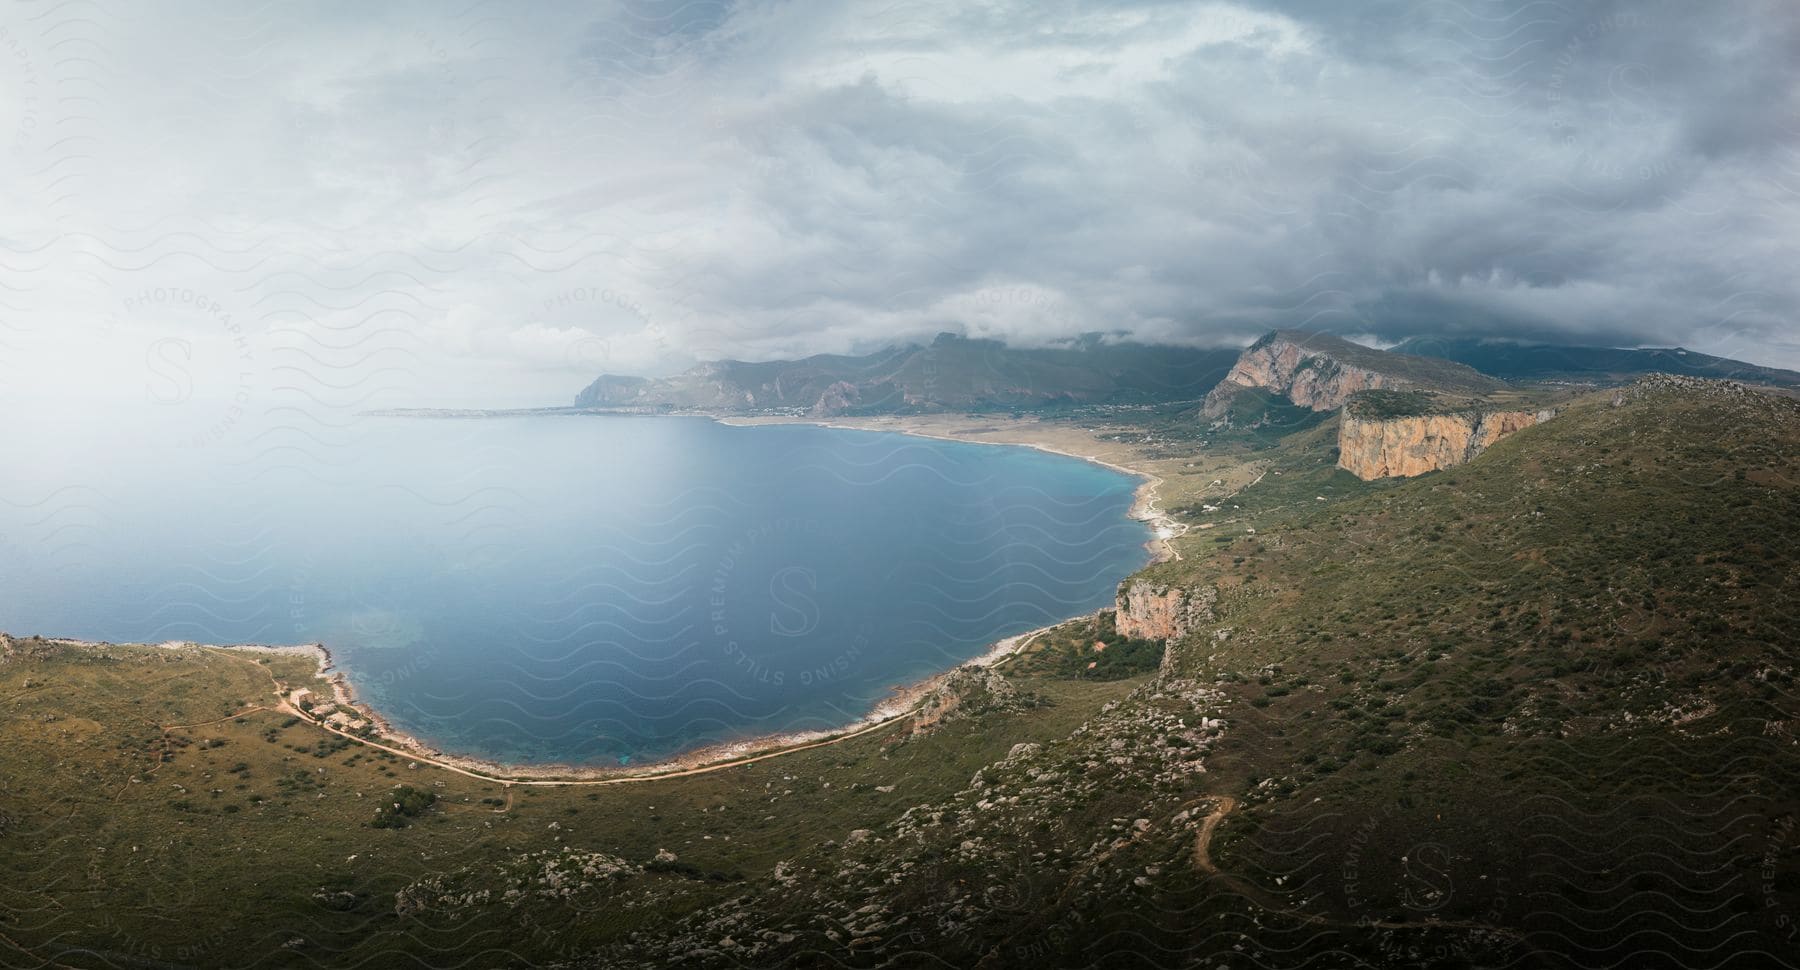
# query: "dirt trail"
{"type": "Point", "coordinates": [166, 728]}
{"type": "Point", "coordinates": [997, 955]}
{"type": "Point", "coordinates": [1203, 840]}
{"type": "Point", "coordinates": [229, 717]}
{"type": "Point", "coordinates": [1275, 904]}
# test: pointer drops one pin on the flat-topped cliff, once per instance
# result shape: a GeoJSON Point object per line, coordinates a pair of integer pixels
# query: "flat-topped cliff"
{"type": "Point", "coordinates": [1401, 446]}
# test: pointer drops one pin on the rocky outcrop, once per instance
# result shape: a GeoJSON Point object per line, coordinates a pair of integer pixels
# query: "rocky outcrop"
{"type": "Point", "coordinates": [965, 692]}
{"type": "Point", "coordinates": [563, 874]}
{"type": "Point", "coordinates": [837, 399]}
{"type": "Point", "coordinates": [1651, 384]}
{"type": "Point", "coordinates": [1402, 446]}
{"type": "Point", "coordinates": [1153, 611]}
{"type": "Point", "coordinates": [1320, 372]}
{"type": "Point", "coordinates": [24, 648]}
{"type": "Point", "coordinates": [1282, 365]}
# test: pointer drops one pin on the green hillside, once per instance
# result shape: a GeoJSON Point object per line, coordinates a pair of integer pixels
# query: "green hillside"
{"type": "Point", "coordinates": [1516, 361]}
{"type": "Point", "coordinates": [952, 373]}
{"type": "Point", "coordinates": [1518, 713]}
{"type": "Point", "coordinates": [1538, 710]}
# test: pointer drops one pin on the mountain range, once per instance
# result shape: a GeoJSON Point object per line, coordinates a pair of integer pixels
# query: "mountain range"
{"type": "Point", "coordinates": [1313, 370]}
{"type": "Point", "coordinates": [951, 373]}
{"type": "Point", "coordinates": [1514, 361]}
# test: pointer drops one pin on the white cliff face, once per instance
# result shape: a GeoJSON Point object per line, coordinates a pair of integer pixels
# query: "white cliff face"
{"type": "Point", "coordinates": [1307, 378]}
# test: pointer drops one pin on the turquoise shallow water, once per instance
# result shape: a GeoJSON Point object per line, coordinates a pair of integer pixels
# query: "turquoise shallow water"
{"type": "Point", "coordinates": [573, 589]}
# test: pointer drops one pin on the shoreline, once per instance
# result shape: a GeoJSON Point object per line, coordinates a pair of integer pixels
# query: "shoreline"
{"type": "Point", "coordinates": [1163, 528]}
{"type": "Point", "coordinates": [902, 701]}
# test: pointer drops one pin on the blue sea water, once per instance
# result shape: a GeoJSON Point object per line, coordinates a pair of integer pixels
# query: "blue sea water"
{"type": "Point", "coordinates": [573, 589]}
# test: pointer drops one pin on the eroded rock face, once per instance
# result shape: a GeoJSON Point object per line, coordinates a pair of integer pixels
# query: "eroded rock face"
{"type": "Point", "coordinates": [1308, 377]}
{"type": "Point", "coordinates": [837, 398]}
{"type": "Point", "coordinates": [551, 874]}
{"type": "Point", "coordinates": [1152, 611]}
{"type": "Point", "coordinates": [1372, 448]}
{"type": "Point", "coordinates": [965, 692]}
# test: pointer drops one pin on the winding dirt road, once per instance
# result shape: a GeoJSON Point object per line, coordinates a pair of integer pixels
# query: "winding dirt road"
{"type": "Point", "coordinates": [1203, 861]}
{"type": "Point", "coordinates": [1203, 839]}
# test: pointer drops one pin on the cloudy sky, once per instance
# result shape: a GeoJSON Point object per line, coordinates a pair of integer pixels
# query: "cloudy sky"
{"type": "Point", "coordinates": [468, 203]}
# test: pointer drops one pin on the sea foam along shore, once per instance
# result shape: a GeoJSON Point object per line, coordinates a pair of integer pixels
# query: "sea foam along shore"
{"type": "Point", "coordinates": [899, 704]}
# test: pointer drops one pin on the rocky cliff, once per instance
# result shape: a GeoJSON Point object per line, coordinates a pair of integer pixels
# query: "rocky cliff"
{"type": "Point", "coordinates": [1152, 611]}
{"type": "Point", "coordinates": [1399, 446]}
{"type": "Point", "coordinates": [837, 399]}
{"type": "Point", "coordinates": [1321, 372]}
{"type": "Point", "coordinates": [1282, 365]}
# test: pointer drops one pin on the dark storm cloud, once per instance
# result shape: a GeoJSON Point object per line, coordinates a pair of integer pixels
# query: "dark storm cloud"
{"type": "Point", "coordinates": [537, 194]}
{"type": "Point", "coordinates": [1613, 172]}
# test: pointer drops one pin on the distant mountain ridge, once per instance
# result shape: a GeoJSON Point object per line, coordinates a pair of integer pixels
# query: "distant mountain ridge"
{"type": "Point", "coordinates": [1516, 361]}
{"type": "Point", "coordinates": [1317, 371]}
{"type": "Point", "coordinates": [952, 373]}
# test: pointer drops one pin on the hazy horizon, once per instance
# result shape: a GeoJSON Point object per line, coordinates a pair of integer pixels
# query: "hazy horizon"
{"type": "Point", "coordinates": [338, 207]}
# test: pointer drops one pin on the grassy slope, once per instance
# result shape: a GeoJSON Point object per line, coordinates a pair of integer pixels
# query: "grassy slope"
{"type": "Point", "coordinates": [1535, 692]}
{"type": "Point", "coordinates": [1536, 710]}
{"type": "Point", "coordinates": [120, 837]}
{"type": "Point", "coordinates": [1532, 362]}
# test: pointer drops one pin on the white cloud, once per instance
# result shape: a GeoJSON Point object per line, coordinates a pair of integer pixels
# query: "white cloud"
{"type": "Point", "coordinates": [456, 206]}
